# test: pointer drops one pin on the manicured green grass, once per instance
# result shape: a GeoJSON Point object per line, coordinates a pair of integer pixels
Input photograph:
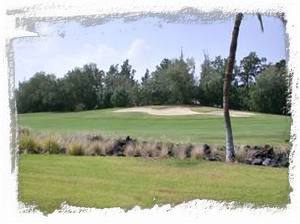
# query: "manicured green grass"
{"type": "Point", "coordinates": [258, 129]}
{"type": "Point", "coordinates": [103, 182]}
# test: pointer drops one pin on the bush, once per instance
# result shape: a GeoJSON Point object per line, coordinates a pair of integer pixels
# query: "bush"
{"type": "Point", "coordinates": [24, 131]}
{"type": "Point", "coordinates": [149, 149]}
{"type": "Point", "coordinates": [197, 152]}
{"type": "Point", "coordinates": [166, 149]}
{"type": "Point", "coordinates": [132, 150]}
{"type": "Point", "coordinates": [51, 146]}
{"type": "Point", "coordinates": [108, 146]}
{"type": "Point", "coordinates": [95, 149]}
{"type": "Point", "coordinates": [180, 152]}
{"type": "Point", "coordinates": [76, 149]}
{"type": "Point", "coordinates": [28, 145]}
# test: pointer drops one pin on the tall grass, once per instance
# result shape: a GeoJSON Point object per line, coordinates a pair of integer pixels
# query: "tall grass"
{"type": "Point", "coordinates": [97, 145]}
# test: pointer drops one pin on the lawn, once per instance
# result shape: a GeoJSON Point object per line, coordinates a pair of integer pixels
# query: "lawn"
{"type": "Point", "coordinates": [49, 180]}
{"type": "Point", "coordinates": [103, 182]}
{"type": "Point", "coordinates": [258, 129]}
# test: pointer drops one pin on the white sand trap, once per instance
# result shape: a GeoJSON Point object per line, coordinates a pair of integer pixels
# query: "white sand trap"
{"type": "Point", "coordinates": [169, 111]}
{"type": "Point", "coordinates": [177, 111]}
{"type": "Point", "coordinates": [232, 113]}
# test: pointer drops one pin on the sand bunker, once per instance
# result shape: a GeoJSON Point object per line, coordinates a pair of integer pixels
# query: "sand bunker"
{"type": "Point", "coordinates": [177, 111]}
{"type": "Point", "coordinates": [170, 111]}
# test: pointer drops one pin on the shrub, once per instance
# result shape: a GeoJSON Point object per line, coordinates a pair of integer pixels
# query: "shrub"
{"type": "Point", "coordinates": [76, 149]}
{"type": "Point", "coordinates": [93, 138]}
{"type": "Point", "coordinates": [108, 146]}
{"type": "Point", "coordinates": [132, 150]}
{"type": "Point", "coordinates": [167, 150]}
{"type": "Point", "coordinates": [241, 153]}
{"type": "Point", "coordinates": [24, 131]}
{"type": "Point", "coordinates": [218, 152]}
{"type": "Point", "coordinates": [148, 149]}
{"type": "Point", "coordinates": [51, 146]}
{"type": "Point", "coordinates": [29, 145]}
{"type": "Point", "coordinates": [197, 152]}
{"type": "Point", "coordinates": [95, 149]}
{"type": "Point", "coordinates": [180, 151]}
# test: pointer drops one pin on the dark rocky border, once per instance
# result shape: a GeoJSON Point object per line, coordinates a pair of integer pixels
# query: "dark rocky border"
{"type": "Point", "coordinates": [252, 155]}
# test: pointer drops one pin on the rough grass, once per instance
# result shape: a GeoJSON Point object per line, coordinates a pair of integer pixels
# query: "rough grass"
{"type": "Point", "coordinates": [255, 130]}
{"type": "Point", "coordinates": [102, 182]}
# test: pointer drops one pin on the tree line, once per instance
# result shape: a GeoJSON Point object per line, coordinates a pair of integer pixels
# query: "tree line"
{"type": "Point", "coordinates": [255, 86]}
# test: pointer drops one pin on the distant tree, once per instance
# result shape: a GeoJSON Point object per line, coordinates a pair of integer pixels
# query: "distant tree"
{"type": "Point", "coordinates": [172, 82]}
{"type": "Point", "coordinates": [210, 90]}
{"type": "Point", "coordinates": [269, 94]}
{"type": "Point", "coordinates": [143, 95]}
{"type": "Point", "coordinates": [120, 98]}
{"type": "Point", "coordinates": [250, 67]}
{"type": "Point", "coordinates": [119, 85]}
{"type": "Point", "coordinates": [146, 77]}
{"type": "Point", "coordinates": [109, 83]}
{"type": "Point", "coordinates": [37, 94]}
{"type": "Point", "coordinates": [98, 80]}
{"type": "Point", "coordinates": [164, 64]}
{"type": "Point", "coordinates": [211, 81]}
{"type": "Point", "coordinates": [80, 88]}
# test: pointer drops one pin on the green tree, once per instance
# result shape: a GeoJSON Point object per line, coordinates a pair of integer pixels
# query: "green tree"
{"type": "Point", "coordinates": [80, 88]}
{"type": "Point", "coordinates": [269, 94]}
{"type": "Point", "coordinates": [120, 88]}
{"type": "Point", "coordinates": [250, 67]}
{"type": "Point", "coordinates": [172, 82]}
{"type": "Point", "coordinates": [143, 95]}
{"type": "Point", "coordinates": [37, 94]}
{"type": "Point", "coordinates": [211, 81]}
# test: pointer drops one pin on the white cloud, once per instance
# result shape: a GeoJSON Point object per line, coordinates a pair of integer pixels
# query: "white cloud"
{"type": "Point", "coordinates": [55, 55]}
{"type": "Point", "coordinates": [105, 52]}
{"type": "Point", "coordinates": [137, 49]}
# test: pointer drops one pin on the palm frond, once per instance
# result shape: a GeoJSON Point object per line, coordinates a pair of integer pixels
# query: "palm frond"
{"type": "Point", "coordinates": [260, 21]}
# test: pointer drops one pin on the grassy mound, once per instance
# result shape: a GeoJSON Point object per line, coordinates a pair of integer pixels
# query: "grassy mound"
{"type": "Point", "coordinates": [259, 129]}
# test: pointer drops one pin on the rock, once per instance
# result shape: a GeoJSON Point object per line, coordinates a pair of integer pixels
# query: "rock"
{"type": "Point", "coordinates": [260, 153]}
{"type": "Point", "coordinates": [268, 152]}
{"type": "Point", "coordinates": [284, 160]}
{"type": "Point", "coordinates": [251, 155]}
{"type": "Point", "coordinates": [119, 146]}
{"type": "Point", "coordinates": [189, 151]}
{"type": "Point", "coordinates": [248, 162]}
{"type": "Point", "coordinates": [206, 149]}
{"type": "Point", "coordinates": [246, 148]}
{"type": "Point", "coordinates": [212, 158]}
{"type": "Point", "coordinates": [94, 138]}
{"type": "Point", "coordinates": [63, 150]}
{"type": "Point", "coordinates": [281, 160]}
{"type": "Point", "coordinates": [274, 163]}
{"type": "Point", "coordinates": [257, 162]}
{"type": "Point", "coordinates": [267, 162]}
{"type": "Point", "coordinates": [128, 140]}
{"type": "Point", "coordinates": [257, 147]}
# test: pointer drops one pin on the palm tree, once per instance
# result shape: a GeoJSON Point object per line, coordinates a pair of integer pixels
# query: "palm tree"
{"type": "Point", "coordinates": [230, 154]}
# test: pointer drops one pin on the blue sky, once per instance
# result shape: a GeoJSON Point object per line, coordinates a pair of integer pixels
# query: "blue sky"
{"type": "Point", "coordinates": [63, 45]}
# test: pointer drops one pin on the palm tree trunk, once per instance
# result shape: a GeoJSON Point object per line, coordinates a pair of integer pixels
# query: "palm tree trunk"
{"type": "Point", "coordinates": [230, 154]}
